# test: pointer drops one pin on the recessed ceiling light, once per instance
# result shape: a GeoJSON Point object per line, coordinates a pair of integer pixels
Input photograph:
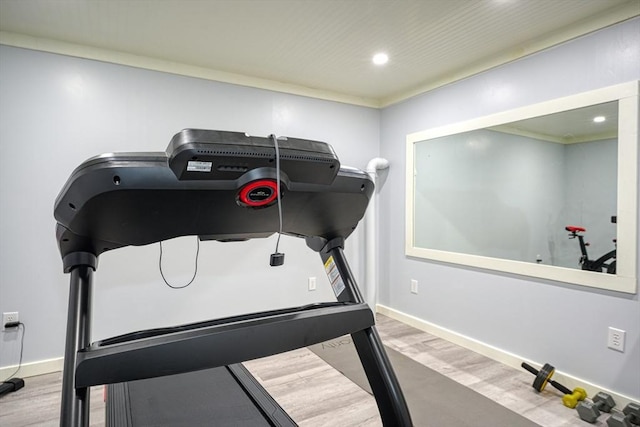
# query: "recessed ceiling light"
{"type": "Point", "coordinates": [380, 58]}
{"type": "Point", "coordinates": [599, 119]}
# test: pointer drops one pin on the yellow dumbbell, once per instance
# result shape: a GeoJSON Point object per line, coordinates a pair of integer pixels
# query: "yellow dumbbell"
{"type": "Point", "coordinates": [571, 400]}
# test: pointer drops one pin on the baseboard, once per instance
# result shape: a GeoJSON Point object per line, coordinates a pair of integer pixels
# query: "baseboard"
{"type": "Point", "coordinates": [32, 369]}
{"type": "Point", "coordinates": [497, 354]}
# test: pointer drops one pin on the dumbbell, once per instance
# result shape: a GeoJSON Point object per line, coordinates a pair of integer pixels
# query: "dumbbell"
{"type": "Point", "coordinates": [572, 400]}
{"type": "Point", "coordinates": [590, 411]}
{"type": "Point", "coordinates": [543, 376]}
{"type": "Point", "coordinates": [630, 415]}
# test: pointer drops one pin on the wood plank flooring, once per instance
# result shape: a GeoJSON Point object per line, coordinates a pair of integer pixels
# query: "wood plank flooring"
{"type": "Point", "coordinates": [315, 395]}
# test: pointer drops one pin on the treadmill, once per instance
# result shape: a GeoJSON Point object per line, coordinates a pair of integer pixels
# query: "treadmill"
{"type": "Point", "coordinates": [224, 186]}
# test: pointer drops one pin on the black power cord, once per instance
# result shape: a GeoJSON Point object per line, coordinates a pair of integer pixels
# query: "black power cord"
{"type": "Point", "coordinates": [14, 384]}
{"type": "Point", "coordinates": [277, 258]}
{"type": "Point", "coordinates": [195, 272]}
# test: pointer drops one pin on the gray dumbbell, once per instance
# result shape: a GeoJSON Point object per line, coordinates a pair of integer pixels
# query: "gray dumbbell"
{"type": "Point", "coordinates": [590, 411]}
{"type": "Point", "coordinates": [630, 415]}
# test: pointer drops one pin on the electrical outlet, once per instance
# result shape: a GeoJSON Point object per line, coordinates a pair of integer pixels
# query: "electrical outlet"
{"type": "Point", "coordinates": [9, 317]}
{"type": "Point", "coordinates": [414, 286]}
{"type": "Point", "coordinates": [616, 339]}
{"type": "Point", "coordinates": [312, 283]}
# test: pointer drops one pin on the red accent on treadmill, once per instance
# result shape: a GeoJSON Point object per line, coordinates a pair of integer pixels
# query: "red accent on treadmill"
{"type": "Point", "coordinates": [258, 193]}
{"type": "Point", "coordinates": [574, 229]}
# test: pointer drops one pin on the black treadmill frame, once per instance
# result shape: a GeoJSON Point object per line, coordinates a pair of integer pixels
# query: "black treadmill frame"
{"type": "Point", "coordinates": [86, 365]}
{"type": "Point", "coordinates": [128, 357]}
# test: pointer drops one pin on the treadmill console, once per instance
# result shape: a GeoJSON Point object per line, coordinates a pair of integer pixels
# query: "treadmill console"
{"type": "Point", "coordinates": [214, 184]}
{"type": "Point", "coordinates": [196, 154]}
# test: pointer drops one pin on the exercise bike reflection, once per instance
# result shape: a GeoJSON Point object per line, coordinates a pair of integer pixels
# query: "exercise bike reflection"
{"type": "Point", "coordinates": [606, 263]}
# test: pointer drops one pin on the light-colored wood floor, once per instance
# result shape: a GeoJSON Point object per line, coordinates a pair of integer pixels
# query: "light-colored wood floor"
{"type": "Point", "coordinates": [315, 394]}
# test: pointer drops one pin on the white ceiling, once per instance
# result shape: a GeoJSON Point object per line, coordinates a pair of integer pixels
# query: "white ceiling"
{"type": "Point", "coordinates": [318, 47]}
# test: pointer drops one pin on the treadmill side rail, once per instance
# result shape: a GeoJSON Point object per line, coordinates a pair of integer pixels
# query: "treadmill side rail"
{"type": "Point", "coordinates": [269, 407]}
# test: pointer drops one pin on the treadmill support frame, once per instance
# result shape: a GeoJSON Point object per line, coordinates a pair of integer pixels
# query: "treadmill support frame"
{"type": "Point", "coordinates": [75, 400]}
{"type": "Point", "coordinates": [74, 410]}
{"type": "Point", "coordinates": [382, 379]}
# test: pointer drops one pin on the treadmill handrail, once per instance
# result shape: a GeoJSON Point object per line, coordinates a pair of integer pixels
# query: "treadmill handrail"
{"type": "Point", "coordinates": [149, 333]}
{"type": "Point", "coordinates": [219, 344]}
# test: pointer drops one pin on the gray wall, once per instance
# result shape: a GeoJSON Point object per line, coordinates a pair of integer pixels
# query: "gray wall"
{"type": "Point", "coordinates": [543, 321]}
{"type": "Point", "coordinates": [56, 111]}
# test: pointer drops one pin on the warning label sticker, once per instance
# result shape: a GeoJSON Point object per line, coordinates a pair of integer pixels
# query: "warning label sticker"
{"type": "Point", "coordinates": [334, 276]}
{"type": "Point", "coordinates": [194, 166]}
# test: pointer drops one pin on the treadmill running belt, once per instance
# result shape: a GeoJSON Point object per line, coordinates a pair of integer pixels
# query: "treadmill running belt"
{"type": "Point", "coordinates": [212, 397]}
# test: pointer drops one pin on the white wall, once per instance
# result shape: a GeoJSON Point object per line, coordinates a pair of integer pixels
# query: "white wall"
{"type": "Point", "coordinates": [56, 111]}
{"type": "Point", "coordinates": [539, 320]}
